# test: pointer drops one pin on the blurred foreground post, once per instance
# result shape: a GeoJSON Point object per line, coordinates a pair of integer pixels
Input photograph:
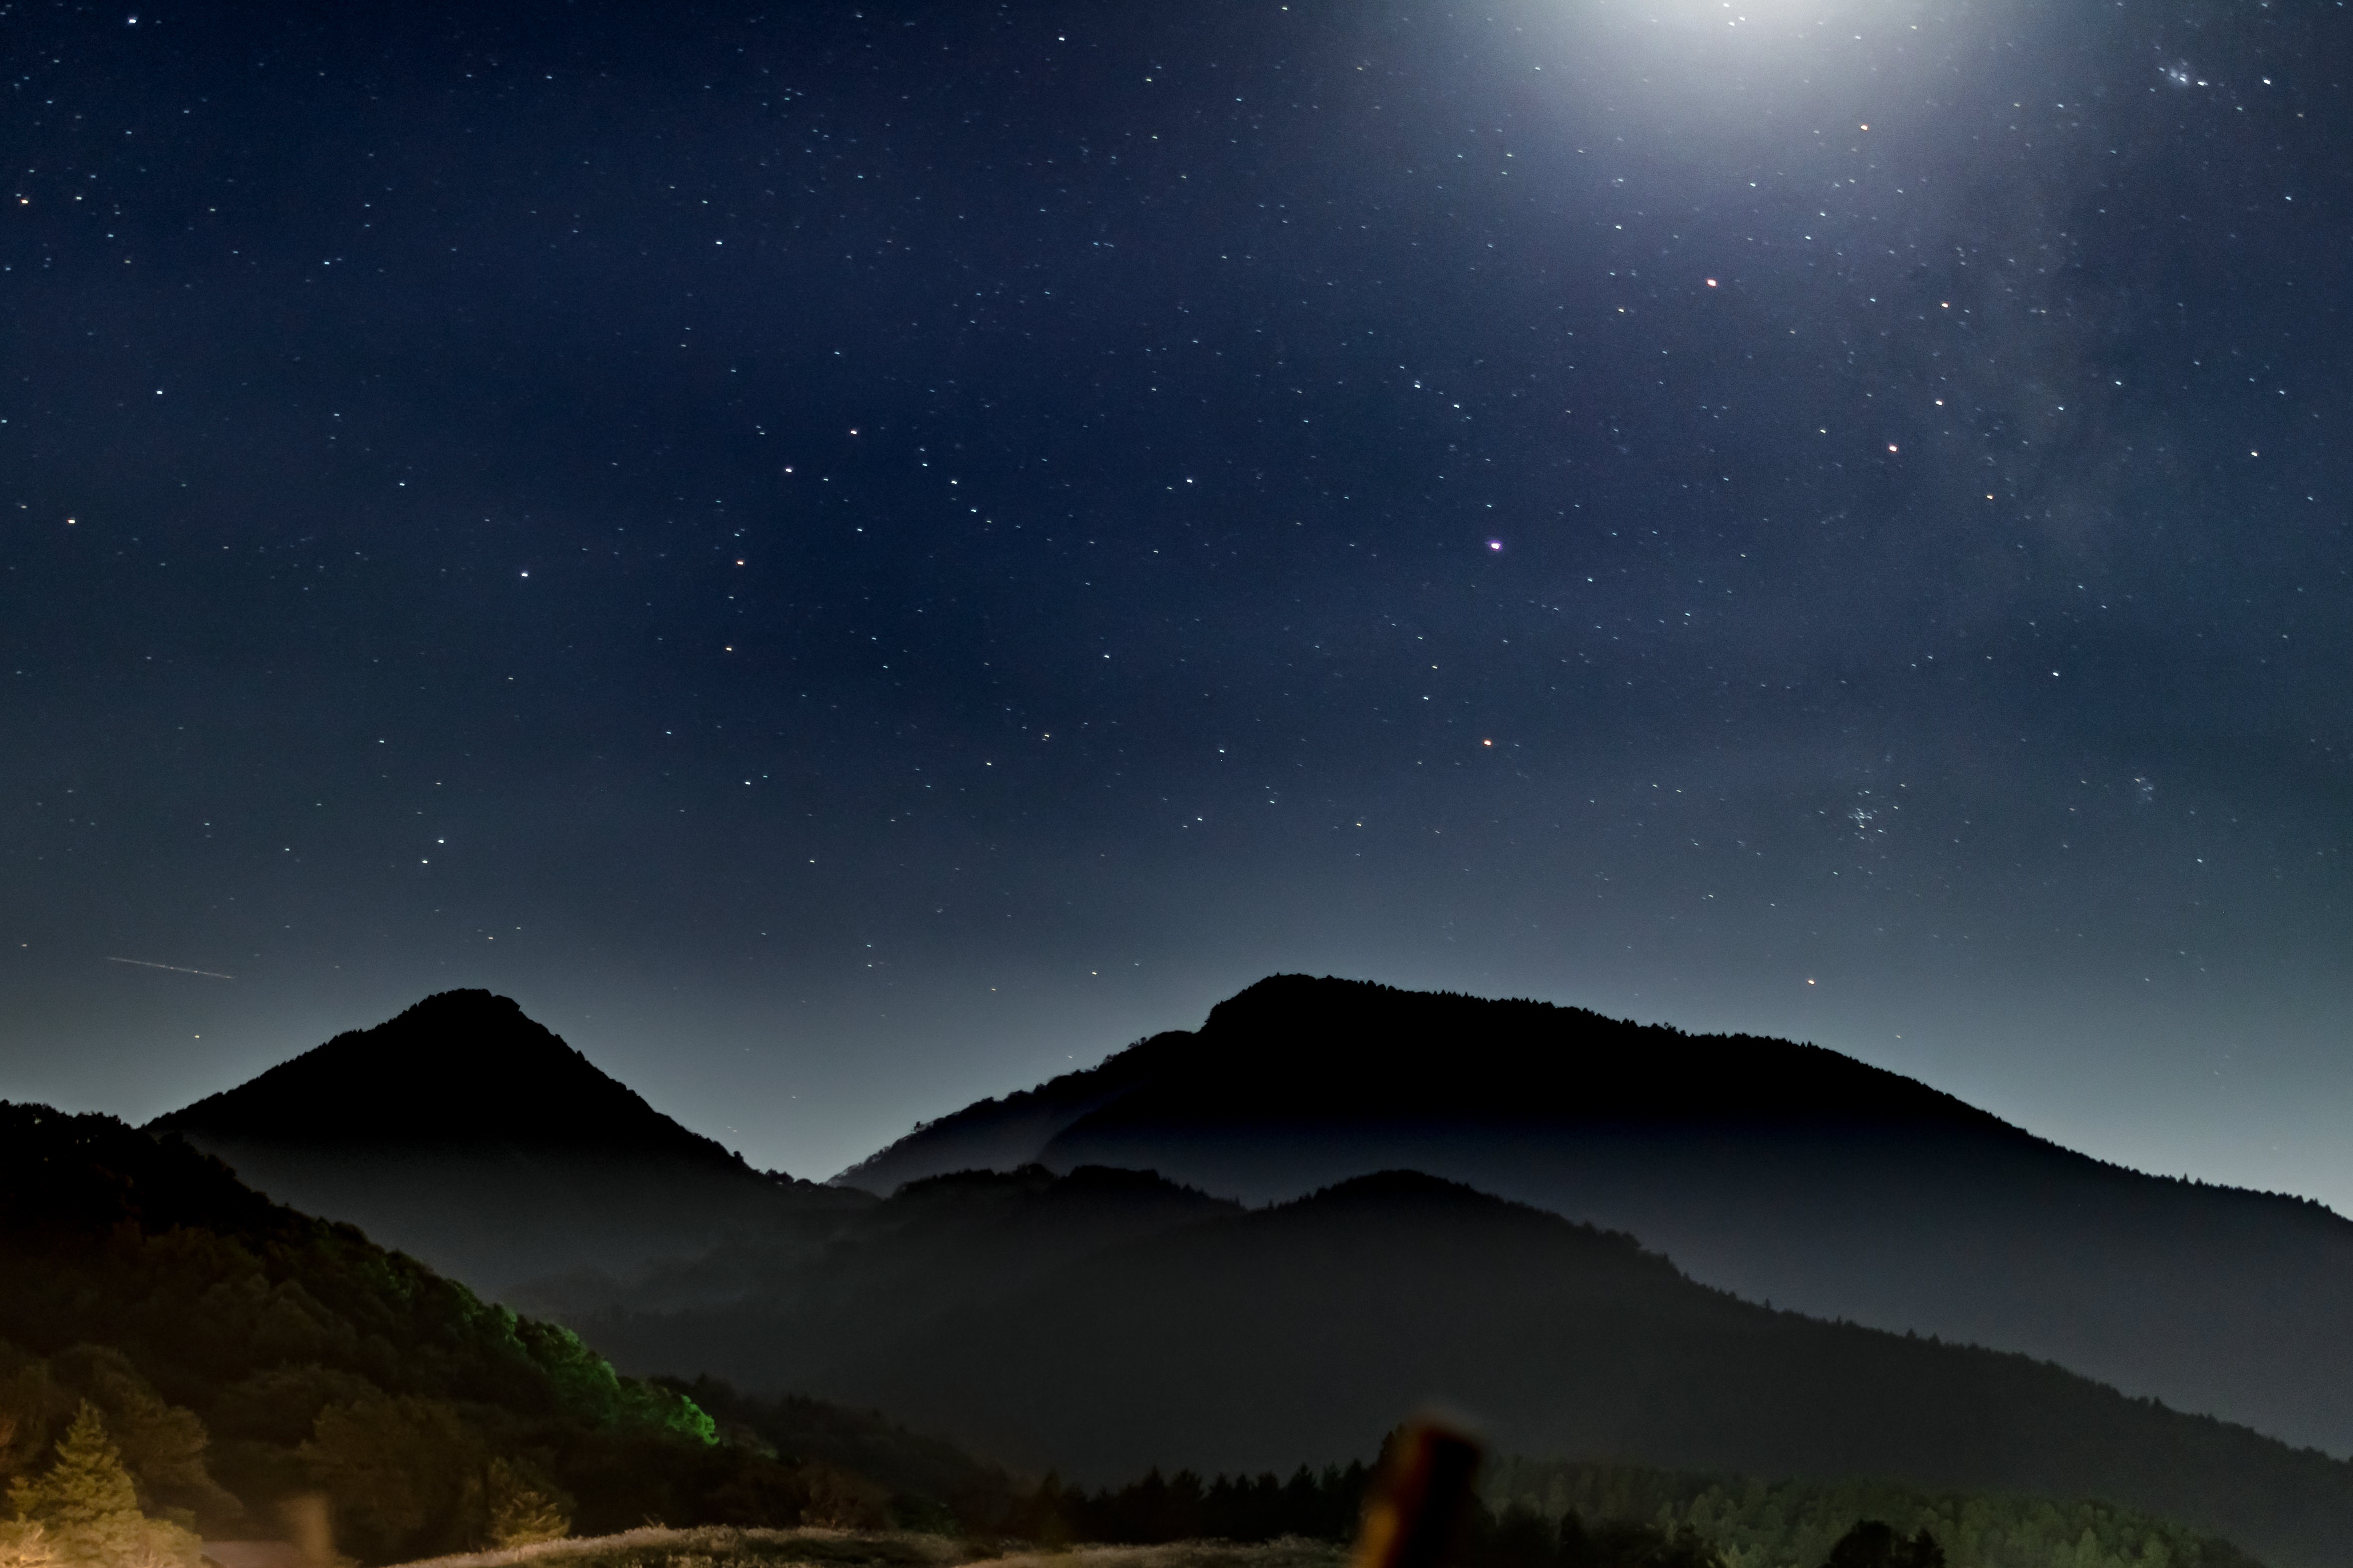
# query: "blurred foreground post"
{"type": "Point", "coordinates": [310, 1525]}
{"type": "Point", "coordinates": [1419, 1497]}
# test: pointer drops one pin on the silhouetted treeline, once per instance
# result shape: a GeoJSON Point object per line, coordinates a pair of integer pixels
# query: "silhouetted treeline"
{"type": "Point", "coordinates": [1323, 1505]}
{"type": "Point", "coordinates": [1326, 1505]}
{"type": "Point", "coordinates": [1572, 1515]}
{"type": "Point", "coordinates": [1751, 1520]}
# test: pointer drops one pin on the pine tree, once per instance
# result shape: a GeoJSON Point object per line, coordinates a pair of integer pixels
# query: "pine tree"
{"type": "Point", "coordinates": [86, 1485]}
{"type": "Point", "coordinates": [88, 1510]}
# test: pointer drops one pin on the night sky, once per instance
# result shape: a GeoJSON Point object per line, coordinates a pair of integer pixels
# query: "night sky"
{"type": "Point", "coordinates": [852, 558]}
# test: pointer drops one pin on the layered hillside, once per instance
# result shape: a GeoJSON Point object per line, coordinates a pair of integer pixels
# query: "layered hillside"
{"type": "Point", "coordinates": [1781, 1172]}
{"type": "Point", "coordinates": [784, 1316]}
{"type": "Point", "coordinates": [1243, 1340]}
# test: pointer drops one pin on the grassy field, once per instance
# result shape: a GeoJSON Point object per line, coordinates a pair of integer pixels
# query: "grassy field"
{"type": "Point", "coordinates": [722, 1548]}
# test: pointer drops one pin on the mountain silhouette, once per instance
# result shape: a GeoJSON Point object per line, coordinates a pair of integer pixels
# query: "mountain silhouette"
{"type": "Point", "coordinates": [1781, 1172]}
{"type": "Point", "coordinates": [1204, 1336]}
{"type": "Point", "coordinates": [470, 1136]}
{"type": "Point", "coordinates": [462, 1067]}
{"type": "Point", "coordinates": [1095, 1296]}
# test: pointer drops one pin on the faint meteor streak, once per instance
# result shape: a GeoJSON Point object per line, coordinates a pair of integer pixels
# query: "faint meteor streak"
{"type": "Point", "coordinates": [174, 968]}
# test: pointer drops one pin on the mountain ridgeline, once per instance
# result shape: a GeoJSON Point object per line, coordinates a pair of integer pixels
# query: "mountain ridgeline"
{"type": "Point", "coordinates": [470, 1136]}
{"type": "Point", "coordinates": [1782, 1173]}
{"type": "Point", "coordinates": [1258, 1245]}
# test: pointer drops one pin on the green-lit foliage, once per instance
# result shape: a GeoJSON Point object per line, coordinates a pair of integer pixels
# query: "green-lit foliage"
{"type": "Point", "coordinates": [933, 1484]}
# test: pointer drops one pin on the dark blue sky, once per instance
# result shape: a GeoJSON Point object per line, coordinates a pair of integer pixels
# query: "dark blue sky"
{"type": "Point", "coordinates": [852, 557]}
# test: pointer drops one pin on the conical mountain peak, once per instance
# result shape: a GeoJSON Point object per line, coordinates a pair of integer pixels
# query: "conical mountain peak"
{"type": "Point", "coordinates": [461, 1067]}
{"type": "Point", "coordinates": [467, 1133]}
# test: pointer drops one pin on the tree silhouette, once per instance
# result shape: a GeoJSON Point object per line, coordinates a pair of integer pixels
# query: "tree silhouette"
{"type": "Point", "coordinates": [1873, 1543]}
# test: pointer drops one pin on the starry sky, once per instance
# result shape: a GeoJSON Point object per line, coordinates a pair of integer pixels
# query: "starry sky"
{"type": "Point", "coordinates": [852, 557]}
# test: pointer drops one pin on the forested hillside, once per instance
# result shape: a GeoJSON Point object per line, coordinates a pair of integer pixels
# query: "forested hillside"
{"type": "Point", "coordinates": [239, 1354]}
{"type": "Point", "coordinates": [936, 1247]}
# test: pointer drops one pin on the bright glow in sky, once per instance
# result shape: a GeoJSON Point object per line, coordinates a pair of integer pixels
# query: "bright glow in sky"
{"type": "Point", "coordinates": [1011, 561]}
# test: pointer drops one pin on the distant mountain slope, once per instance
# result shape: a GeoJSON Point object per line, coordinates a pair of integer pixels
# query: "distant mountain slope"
{"type": "Point", "coordinates": [1295, 1056]}
{"type": "Point", "coordinates": [1784, 1172]}
{"type": "Point", "coordinates": [465, 1133]}
{"type": "Point", "coordinates": [786, 1317]}
{"type": "Point", "coordinates": [1255, 1339]}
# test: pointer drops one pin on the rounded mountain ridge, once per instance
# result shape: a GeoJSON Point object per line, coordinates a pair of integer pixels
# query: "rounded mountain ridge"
{"type": "Point", "coordinates": [1297, 1044]}
{"type": "Point", "coordinates": [465, 1067]}
{"type": "Point", "coordinates": [1297, 1053]}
